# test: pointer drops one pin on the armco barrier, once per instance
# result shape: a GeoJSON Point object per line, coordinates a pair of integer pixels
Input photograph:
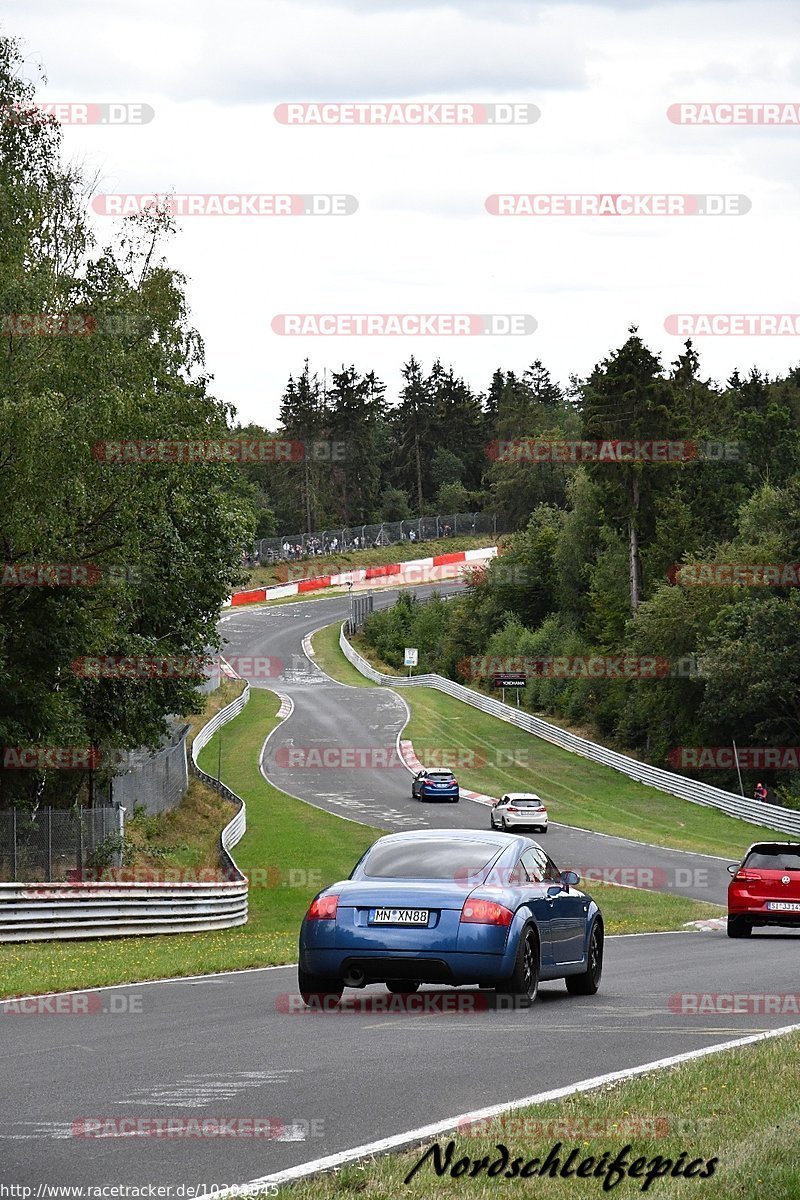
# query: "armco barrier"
{"type": "Point", "coordinates": [753, 811]}
{"type": "Point", "coordinates": [44, 911]}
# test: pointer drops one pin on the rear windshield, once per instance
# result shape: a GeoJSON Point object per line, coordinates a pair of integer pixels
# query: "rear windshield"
{"type": "Point", "coordinates": [427, 860]}
{"type": "Point", "coordinates": [526, 803]}
{"type": "Point", "coordinates": [774, 858]}
{"type": "Point", "coordinates": [440, 774]}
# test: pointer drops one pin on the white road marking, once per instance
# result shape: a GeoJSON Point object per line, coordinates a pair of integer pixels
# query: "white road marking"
{"type": "Point", "coordinates": [198, 1091]}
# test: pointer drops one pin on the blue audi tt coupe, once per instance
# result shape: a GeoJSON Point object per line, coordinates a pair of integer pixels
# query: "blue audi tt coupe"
{"type": "Point", "coordinates": [451, 907]}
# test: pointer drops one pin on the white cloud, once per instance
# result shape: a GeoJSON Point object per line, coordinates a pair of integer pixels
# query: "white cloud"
{"type": "Point", "coordinates": [603, 75]}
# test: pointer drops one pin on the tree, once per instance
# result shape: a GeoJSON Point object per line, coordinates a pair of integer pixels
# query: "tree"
{"type": "Point", "coordinates": [626, 398]}
{"type": "Point", "coordinates": [165, 537]}
{"type": "Point", "coordinates": [412, 423]}
{"type": "Point", "coordinates": [357, 414]}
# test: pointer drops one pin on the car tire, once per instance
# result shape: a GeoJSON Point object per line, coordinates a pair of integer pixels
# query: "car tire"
{"type": "Point", "coordinates": [317, 991]}
{"type": "Point", "coordinates": [542, 829]}
{"type": "Point", "coordinates": [504, 825]}
{"type": "Point", "coordinates": [587, 983]}
{"type": "Point", "coordinates": [401, 987]}
{"type": "Point", "coordinates": [739, 927]}
{"type": "Point", "coordinates": [522, 986]}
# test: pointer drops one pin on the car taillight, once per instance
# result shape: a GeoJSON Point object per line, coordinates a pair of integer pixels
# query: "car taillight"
{"type": "Point", "coordinates": [486, 912]}
{"type": "Point", "coordinates": [323, 909]}
{"type": "Point", "coordinates": [511, 808]}
{"type": "Point", "coordinates": [748, 877]}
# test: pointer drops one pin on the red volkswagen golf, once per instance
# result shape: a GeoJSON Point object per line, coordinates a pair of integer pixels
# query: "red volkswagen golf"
{"type": "Point", "coordinates": [765, 889]}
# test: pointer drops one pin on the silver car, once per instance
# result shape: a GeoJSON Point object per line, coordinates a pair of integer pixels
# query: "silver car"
{"type": "Point", "coordinates": [518, 810]}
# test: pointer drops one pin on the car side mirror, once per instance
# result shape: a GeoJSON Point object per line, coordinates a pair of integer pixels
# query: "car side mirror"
{"type": "Point", "coordinates": [733, 868]}
{"type": "Point", "coordinates": [570, 878]}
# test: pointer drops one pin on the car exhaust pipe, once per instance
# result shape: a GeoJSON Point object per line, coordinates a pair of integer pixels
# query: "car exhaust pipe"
{"type": "Point", "coordinates": [354, 978]}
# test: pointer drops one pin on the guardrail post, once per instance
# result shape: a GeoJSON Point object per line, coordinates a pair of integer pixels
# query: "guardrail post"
{"type": "Point", "coordinates": [14, 845]}
{"type": "Point", "coordinates": [49, 827]}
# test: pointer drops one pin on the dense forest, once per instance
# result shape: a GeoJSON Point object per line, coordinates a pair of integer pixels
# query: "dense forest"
{"type": "Point", "coordinates": [603, 559]}
{"type": "Point", "coordinates": [624, 558]}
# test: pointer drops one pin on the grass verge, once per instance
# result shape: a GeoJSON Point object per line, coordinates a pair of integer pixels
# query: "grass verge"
{"type": "Point", "coordinates": [578, 791]}
{"type": "Point", "coordinates": [328, 656]}
{"type": "Point", "coordinates": [739, 1108]}
{"type": "Point", "coordinates": [636, 910]}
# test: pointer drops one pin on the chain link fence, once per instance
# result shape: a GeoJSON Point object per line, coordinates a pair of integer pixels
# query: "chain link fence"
{"type": "Point", "coordinates": [157, 782]}
{"type": "Point", "coordinates": [54, 845]}
{"type": "Point", "coordinates": [388, 533]}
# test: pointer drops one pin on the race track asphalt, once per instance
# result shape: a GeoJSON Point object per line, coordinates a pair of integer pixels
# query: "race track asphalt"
{"type": "Point", "coordinates": [230, 1047]}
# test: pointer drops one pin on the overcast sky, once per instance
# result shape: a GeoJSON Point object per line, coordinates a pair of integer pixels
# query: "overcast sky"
{"type": "Point", "coordinates": [603, 76]}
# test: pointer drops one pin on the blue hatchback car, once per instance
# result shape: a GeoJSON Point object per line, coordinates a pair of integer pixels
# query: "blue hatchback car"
{"type": "Point", "coordinates": [451, 907]}
{"type": "Point", "coordinates": [434, 783]}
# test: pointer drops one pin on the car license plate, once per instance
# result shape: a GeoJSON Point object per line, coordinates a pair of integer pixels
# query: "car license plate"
{"type": "Point", "coordinates": [783, 906]}
{"type": "Point", "coordinates": [399, 916]}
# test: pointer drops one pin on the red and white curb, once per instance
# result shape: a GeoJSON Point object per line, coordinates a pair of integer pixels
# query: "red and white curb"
{"type": "Point", "coordinates": [418, 570]}
{"type": "Point", "coordinates": [287, 706]}
{"type": "Point", "coordinates": [410, 760]}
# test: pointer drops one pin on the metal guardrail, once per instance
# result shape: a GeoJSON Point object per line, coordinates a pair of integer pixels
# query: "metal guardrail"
{"type": "Point", "coordinates": [235, 829]}
{"type": "Point", "coordinates": [44, 911]}
{"type": "Point", "coordinates": [753, 811]}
